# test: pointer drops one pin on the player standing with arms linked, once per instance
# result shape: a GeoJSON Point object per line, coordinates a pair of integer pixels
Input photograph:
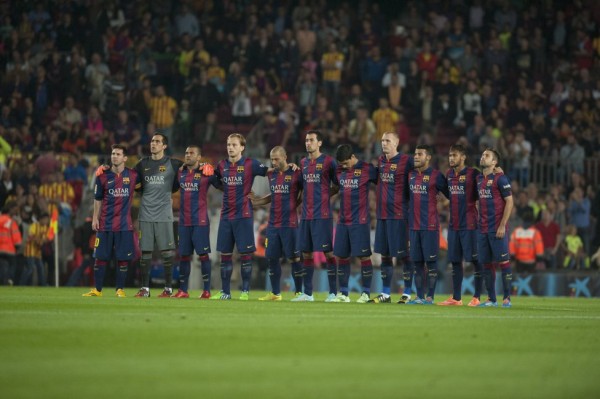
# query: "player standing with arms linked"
{"type": "Point", "coordinates": [391, 233]}
{"type": "Point", "coordinates": [194, 225]}
{"type": "Point", "coordinates": [495, 206]}
{"type": "Point", "coordinates": [425, 184]}
{"type": "Point", "coordinates": [285, 185]}
{"type": "Point", "coordinates": [462, 232]}
{"type": "Point", "coordinates": [353, 231]}
{"type": "Point", "coordinates": [159, 180]}
{"type": "Point", "coordinates": [113, 195]}
{"type": "Point", "coordinates": [319, 184]}
{"type": "Point", "coordinates": [236, 174]}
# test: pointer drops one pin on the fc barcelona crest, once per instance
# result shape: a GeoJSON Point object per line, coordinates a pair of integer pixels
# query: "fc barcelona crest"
{"type": "Point", "coordinates": [197, 176]}
{"type": "Point", "coordinates": [162, 168]}
{"type": "Point", "coordinates": [240, 169]}
{"type": "Point", "coordinates": [462, 179]}
{"type": "Point", "coordinates": [126, 180]}
{"type": "Point", "coordinates": [490, 182]}
{"type": "Point", "coordinates": [288, 178]}
{"type": "Point", "coordinates": [393, 167]}
{"type": "Point", "coordinates": [425, 178]}
{"type": "Point", "coordinates": [357, 172]}
{"type": "Point", "coordinates": [319, 166]}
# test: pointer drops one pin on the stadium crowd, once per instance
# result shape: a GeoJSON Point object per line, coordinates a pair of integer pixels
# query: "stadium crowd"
{"type": "Point", "coordinates": [79, 76]}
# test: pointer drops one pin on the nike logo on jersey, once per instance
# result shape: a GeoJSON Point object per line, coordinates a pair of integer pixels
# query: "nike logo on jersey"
{"type": "Point", "coordinates": [365, 250]}
{"type": "Point", "coordinates": [110, 182]}
{"type": "Point", "coordinates": [325, 245]}
{"type": "Point", "coordinates": [129, 254]}
{"type": "Point", "coordinates": [503, 255]}
{"type": "Point", "coordinates": [432, 256]}
{"type": "Point", "coordinates": [146, 168]}
{"type": "Point", "coordinates": [249, 246]}
{"type": "Point", "coordinates": [206, 248]}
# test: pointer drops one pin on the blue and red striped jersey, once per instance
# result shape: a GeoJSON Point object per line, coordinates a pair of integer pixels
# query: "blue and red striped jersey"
{"type": "Point", "coordinates": [317, 177]}
{"type": "Point", "coordinates": [193, 190]}
{"type": "Point", "coordinates": [492, 189]}
{"type": "Point", "coordinates": [115, 191]}
{"type": "Point", "coordinates": [285, 188]}
{"type": "Point", "coordinates": [237, 179]}
{"type": "Point", "coordinates": [392, 189]}
{"type": "Point", "coordinates": [354, 192]}
{"type": "Point", "coordinates": [463, 198]}
{"type": "Point", "coordinates": [424, 188]}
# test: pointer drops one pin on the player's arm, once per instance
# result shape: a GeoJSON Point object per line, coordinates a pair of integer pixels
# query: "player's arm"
{"type": "Point", "coordinates": [508, 206]}
{"type": "Point", "coordinates": [96, 215]}
{"type": "Point", "coordinates": [140, 181]}
{"type": "Point", "coordinates": [260, 201]}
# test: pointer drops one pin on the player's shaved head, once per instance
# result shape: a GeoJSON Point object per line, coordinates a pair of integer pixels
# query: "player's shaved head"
{"type": "Point", "coordinates": [279, 150]}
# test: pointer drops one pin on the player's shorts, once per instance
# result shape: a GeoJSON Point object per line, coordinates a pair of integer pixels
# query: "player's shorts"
{"type": "Point", "coordinates": [492, 249]}
{"type": "Point", "coordinates": [391, 237]}
{"type": "Point", "coordinates": [159, 233]}
{"type": "Point", "coordinates": [462, 245]}
{"type": "Point", "coordinates": [315, 235]}
{"type": "Point", "coordinates": [194, 237]}
{"type": "Point", "coordinates": [117, 243]}
{"type": "Point", "coordinates": [238, 232]}
{"type": "Point", "coordinates": [424, 245]}
{"type": "Point", "coordinates": [282, 241]}
{"type": "Point", "coordinates": [352, 240]}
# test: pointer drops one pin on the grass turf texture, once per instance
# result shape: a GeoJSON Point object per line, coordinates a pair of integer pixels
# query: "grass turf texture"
{"type": "Point", "coordinates": [58, 344]}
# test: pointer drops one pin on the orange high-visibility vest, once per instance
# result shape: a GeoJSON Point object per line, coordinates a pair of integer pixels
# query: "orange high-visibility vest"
{"type": "Point", "coordinates": [526, 244]}
{"type": "Point", "coordinates": [10, 236]}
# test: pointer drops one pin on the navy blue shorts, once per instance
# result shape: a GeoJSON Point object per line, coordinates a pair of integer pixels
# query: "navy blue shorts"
{"type": "Point", "coordinates": [462, 245]}
{"type": "Point", "coordinates": [281, 241]}
{"type": "Point", "coordinates": [117, 243]}
{"type": "Point", "coordinates": [492, 249]}
{"type": "Point", "coordinates": [391, 237]}
{"type": "Point", "coordinates": [315, 235]}
{"type": "Point", "coordinates": [194, 238]}
{"type": "Point", "coordinates": [424, 245]}
{"type": "Point", "coordinates": [238, 232]}
{"type": "Point", "coordinates": [352, 240]}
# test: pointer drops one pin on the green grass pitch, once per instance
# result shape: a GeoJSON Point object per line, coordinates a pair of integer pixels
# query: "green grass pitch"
{"type": "Point", "coordinates": [57, 344]}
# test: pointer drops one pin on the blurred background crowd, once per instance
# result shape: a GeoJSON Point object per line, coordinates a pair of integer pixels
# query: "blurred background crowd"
{"type": "Point", "coordinates": [80, 75]}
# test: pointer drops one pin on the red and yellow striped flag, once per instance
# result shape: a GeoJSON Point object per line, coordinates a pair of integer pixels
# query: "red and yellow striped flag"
{"type": "Point", "coordinates": [53, 229]}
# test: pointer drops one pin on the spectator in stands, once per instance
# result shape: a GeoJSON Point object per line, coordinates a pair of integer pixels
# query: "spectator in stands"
{"type": "Point", "coordinates": [332, 65]}
{"type": "Point", "coordinates": [37, 236]}
{"type": "Point", "coordinates": [572, 156]}
{"type": "Point", "coordinates": [520, 149]}
{"type": "Point", "coordinates": [550, 231]}
{"type": "Point", "coordinates": [163, 110]}
{"type": "Point", "coordinates": [579, 209]}
{"type": "Point", "coordinates": [573, 246]}
{"type": "Point", "coordinates": [186, 22]}
{"type": "Point", "coordinates": [204, 97]}
{"type": "Point", "coordinates": [361, 133]}
{"type": "Point", "coordinates": [95, 75]}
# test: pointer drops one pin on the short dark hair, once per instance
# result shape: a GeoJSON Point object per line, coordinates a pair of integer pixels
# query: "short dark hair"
{"type": "Point", "coordinates": [495, 153]}
{"type": "Point", "coordinates": [344, 152]}
{"type": "Point", "coordinates": [165, 140]}
{"type": "Point", "coordinates": [428, 149]}
{"type": "Point", "coordinates": [122, 147]}
{"type": "Point", "coordinates": [196, 146]}
{"type": "Point", "coordinates": [458, 148]}
{"type": "Point", "coordinates": [316, 133]}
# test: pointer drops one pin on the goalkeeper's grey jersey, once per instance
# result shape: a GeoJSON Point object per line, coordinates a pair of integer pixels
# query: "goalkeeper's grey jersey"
{"type": "Point", "coordinates": [159, 180]}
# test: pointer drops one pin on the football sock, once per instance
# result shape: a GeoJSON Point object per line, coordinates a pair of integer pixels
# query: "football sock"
{"type": "Point", "coordinates": [309, 270]}
{"type": "Point", "coordinates": [489, 276]}
{"type": "Point", "coordinates": [457, 278]}
{"type": "Point", "coordinates": [145, 261]}
{"type": "Point", "coordinates": [275, 275]}
{"type": "Point", "coordinates": [205, 269]}
{"type": "Point", "coordinates": [226, 270]}
{"type": "Point", "coordinates": [477, 278]}
{"type": "Point", "coordinates": [184, 273]}
{"type": "Point", "coordinates": [506, 279]}
{"type": "Point", "coordinates": [408, 274]}
{"type": "Point", "coordinates": [99, 270]}
{"type": "Point", "coordinates": [121, 273]}
{"type": "Point", "coordinates": [420, 279]}
{"type": "Point", "coordinates": [387, 273]}
{"type": "Point", "coordinates": [167, 258]}
{"type": "Point", "coordinates": [344, 274]}
{"type": "Point", "coordinates": [246, 271]}
{"type": "Point", "coordinates": [432, 277]}
{"type": "Point", "coordinates": [366, 272]}
{"type": "Point", "coordinates": [297, 275]}
{"type": "Point", "coordinates": [332, 275]}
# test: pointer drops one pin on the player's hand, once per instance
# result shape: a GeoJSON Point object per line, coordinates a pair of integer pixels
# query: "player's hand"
{"type": "Point", "coordinates": [294, 166]}
{"type": "Point", "coordinates": [498, 170]}
{"type": "Point", "coordinates": [501, 232]}
{"type": "Point", "coordinates": [101, 169]}
{"type": "Point", "coordinates": [183, 167]}
{"type": "Point", "coordinates": [207, 169]}
{"type": "Point", "coordinates": [95, 224]}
